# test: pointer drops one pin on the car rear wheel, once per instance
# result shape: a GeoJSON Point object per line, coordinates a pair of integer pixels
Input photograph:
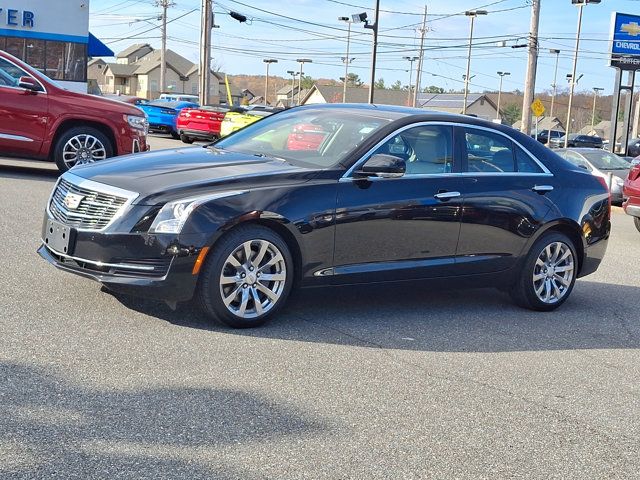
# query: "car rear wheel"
{"type": "Point", "coordinates": [636, 221]}
{"type": "Point", "coordinates": [247, 277]}
{"type": "Point", "coordinates": [548, 274]}
{"type": "Point", "coordinates": [186, 139]}
{"type": "Point", "coordinates": [81, 145]}
{"type": "Point", "coordinates": [175, 135]}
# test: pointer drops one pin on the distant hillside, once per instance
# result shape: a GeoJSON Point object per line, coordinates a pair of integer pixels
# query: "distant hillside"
{"type": "Point", "coordinates": [255, 83]}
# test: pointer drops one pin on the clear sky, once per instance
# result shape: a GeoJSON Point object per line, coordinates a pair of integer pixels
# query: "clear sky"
{"type": "Point", "coordinates": [290, 29]}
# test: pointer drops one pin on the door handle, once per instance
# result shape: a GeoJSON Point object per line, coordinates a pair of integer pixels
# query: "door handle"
{"type": "Point", "coordinates": [446, 195]}
{"type": "Point", "coordinates": [542, 189]}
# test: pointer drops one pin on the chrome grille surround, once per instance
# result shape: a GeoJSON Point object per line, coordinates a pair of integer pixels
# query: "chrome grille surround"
{"type": "Point", "coordinates": [100, 206]}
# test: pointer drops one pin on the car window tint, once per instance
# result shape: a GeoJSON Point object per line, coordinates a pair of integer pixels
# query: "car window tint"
{"type": "Point", "coordinates": [577, 160]}
{"type": "Point", "coordinates": [488, 152]}
{"type": "Point", "coordinates": [525, 163]}
{"type": "Point", "coordinates": [426, 149]}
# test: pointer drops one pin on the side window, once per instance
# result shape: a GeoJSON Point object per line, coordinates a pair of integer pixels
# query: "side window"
{"type": "Point", "coordinates": [525, 163]}
{"type": "Point", "coordinates": [577, 160]}
{"type": "Point", "coordinates": [426, 149]}
{"type": "Point", "coordinates": [488, 152]}
{"type": "Point", "coordinates": [9, 73]}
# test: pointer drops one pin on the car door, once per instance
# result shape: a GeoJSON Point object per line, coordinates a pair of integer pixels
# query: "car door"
{"type": "Point", "coordinates": [23, 114]}
{"type": "Point", "coordinates": [504, 200]}
{"type": "Point", "coordinates": [398, 228]}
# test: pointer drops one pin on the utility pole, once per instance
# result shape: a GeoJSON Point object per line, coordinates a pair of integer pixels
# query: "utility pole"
{"type": "Point", "coordinates": [410, 60]}
{"type": "Point", "coordinates": [423, 32]}
{"type": "Point", "coordinates": [268, 61]}
{"type": "Point", "coordinates": [472, 14]}
{"type": "Point", "coordinates": [555, 89]}
{"type": "Point", "coordinates": [301, 61]}
{"type": "Point", "coordinates": [293, 74]}
{"type": "Point", "coordinates": [206, 24]}
{"type": "Point", "coordinates": [595, 98]}
{"type": "Point", "coordinates": [501, 75]}
{"type": "Point", "coordinates": [347, 60]}
{"type": "Point", "coordinates": [374, 52]}
{"type": "Point", "coordinates": [532, 66]}
{"type": "Point", "coordinates": [164, 4]}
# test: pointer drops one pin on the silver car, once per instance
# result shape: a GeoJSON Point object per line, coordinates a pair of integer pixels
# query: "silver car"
{"type": "Point", "coordinates": [609, 166]}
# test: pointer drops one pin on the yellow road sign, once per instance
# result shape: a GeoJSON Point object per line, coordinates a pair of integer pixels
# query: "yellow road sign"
{"type": "Point", "coordinates": [537, 108]}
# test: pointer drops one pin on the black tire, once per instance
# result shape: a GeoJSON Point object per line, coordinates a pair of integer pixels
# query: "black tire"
{"type": "Point", "coordinates": [79, 133]}
{"type": "Point", "coordinates": [523, 291]}
{"type": "Point", "coordinates": [175, 135]}
{"type": "Point", "coordinates": [186, 139]}
{"type": "Point", "coordinates": [210, 291]}
{"type": "Point", "coordinates": [636, 221]}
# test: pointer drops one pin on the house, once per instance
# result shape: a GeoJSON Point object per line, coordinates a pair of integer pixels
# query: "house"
{"type": "Point", "coordinates": [137, 72]}
{"type": "Point", "coordinates": [478, 104]}
{"type": "Point", "coordinates": [603, 130]}
{"type": "Point", "coordinates": [96, 68]}
{"type": "Point", "coordinates": [285, 94]}
{"type": "Point", "coordinates": [544, 123]}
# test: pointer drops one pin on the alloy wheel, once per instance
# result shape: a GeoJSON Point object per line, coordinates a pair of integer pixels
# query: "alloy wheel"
{"type": "Point", "coordinates": [553, 272]}
{"type": "Point", "coordinates": [253, 279]}
{"type": "Point", "coordinates": [82, 149]}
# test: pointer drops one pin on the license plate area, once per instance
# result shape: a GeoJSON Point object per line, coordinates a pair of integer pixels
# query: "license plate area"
{"type": "Point", "coordinates": [59, 237]}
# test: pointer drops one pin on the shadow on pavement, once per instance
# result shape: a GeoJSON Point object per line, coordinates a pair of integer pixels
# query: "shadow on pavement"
{"type": "Point", "coordinates": [52, 428]}
{"type": "Point", "coordinates": [414, 318]}
{"type": "Point", "coordinates": [29, 170]}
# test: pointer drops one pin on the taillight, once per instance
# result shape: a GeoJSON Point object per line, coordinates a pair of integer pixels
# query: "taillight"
{"type": "Point", "coordinates": [603, 181]}
{"type": "Point", "coordinates": [634, 172]}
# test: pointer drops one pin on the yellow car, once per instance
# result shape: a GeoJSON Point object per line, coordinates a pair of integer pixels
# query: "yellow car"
{"type": "Point", "coordinates": [238, 118]}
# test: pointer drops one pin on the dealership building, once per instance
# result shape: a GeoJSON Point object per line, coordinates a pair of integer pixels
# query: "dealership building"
{"type": "Point", "coordinates": [52, 36]}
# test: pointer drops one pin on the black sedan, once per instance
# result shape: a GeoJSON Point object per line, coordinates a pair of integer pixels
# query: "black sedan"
{"type": "Point", "coordinates": [374, 194]}
{"type": "Point", "coordinates": [576, 140]}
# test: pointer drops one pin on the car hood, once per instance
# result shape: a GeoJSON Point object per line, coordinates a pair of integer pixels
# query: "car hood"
{"type": "Point", "coordinates": [170, 174]}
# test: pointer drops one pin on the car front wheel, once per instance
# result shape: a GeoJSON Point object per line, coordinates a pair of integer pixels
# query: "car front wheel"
{"type": "Point", "coordinates": [247, 277]}
{"type": "Point", "coordinates": [81, 145]}
{"type": "Point", "coordinates": [636, 221]}
{"type": "Point", "coordinates": [548, 274]}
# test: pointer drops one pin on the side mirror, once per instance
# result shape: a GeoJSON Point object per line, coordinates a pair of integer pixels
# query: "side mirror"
{"type": "Point", "coordinates": [383, 166]}
{"type": "Point", "coordinates": [29, 83]}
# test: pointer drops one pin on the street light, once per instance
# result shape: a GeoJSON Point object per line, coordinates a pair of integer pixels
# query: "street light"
{"type": "Point", "coordinates": [556, 52]}
{"type": "Point", "coordinates": [293, 84]}
{"type": "Point", "coordinates": [595, 97]}
{"type": "Point", "coordinates": [268, 61]}
{"type": "Point", "coordinates": [301, 61]}
{"type": "Point", "coordinates": [501, 75]}
{"type": "Point", "coordinates": [580, 4]}
{"type": "Point", "coordinates": [472, 14]}
{"type": "Point", "coordinates": [410, 60]}
{"type": "Point", "coordinates": [347, 60]}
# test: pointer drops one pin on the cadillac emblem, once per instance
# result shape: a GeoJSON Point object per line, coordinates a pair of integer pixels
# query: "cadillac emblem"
{"type": "Point", "coordinates": [72, 201]}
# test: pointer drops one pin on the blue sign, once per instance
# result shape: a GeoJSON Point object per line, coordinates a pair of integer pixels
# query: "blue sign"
{"type": "Point", "coordinates": [626, 34]}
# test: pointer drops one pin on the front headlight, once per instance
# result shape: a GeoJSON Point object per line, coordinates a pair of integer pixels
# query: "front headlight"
{"type": "Point", "coordinates": [172, 217]}
{"type": "Point", "coordinates": [139, 123]}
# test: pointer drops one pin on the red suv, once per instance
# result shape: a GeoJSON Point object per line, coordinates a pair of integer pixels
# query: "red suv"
{"type": "Point", "coordinates": [631, 190]}
{"type": "Point", "coordinates": [41, 120]}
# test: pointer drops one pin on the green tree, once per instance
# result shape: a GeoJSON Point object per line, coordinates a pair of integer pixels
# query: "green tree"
{"type": "Point", "coordinates": [307, 82]}
{"type": "Point", "coordinates": [353, 80]}
{"type": "Point", "coordinates": [379, 84]}
{"type": "Point", "coordinates": [512, 112]}
{"type": "Point", "coordinates": [397, 85]}
{"type": "Point", "coordinates": [433, 89]}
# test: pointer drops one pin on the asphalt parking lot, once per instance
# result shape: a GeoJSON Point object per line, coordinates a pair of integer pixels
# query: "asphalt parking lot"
{"type": "Point", "coordinates": [382, 382]}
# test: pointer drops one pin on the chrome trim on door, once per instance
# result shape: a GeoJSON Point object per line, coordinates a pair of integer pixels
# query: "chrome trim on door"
{"type": "Point", "coordinates": [18, 138]}
{"type": "Point", "coordinates": [446, 195]}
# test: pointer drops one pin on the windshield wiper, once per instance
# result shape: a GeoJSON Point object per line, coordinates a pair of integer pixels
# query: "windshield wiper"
{"type": "Point", "coordinates": [264, 155]}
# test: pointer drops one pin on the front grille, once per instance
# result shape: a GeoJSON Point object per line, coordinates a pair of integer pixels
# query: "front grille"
{"type": "Point", "coordinates": [94, 212]}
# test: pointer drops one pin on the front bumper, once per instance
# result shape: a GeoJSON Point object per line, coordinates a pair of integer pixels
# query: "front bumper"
{"type": "Point", "coordinates": [133, 263]}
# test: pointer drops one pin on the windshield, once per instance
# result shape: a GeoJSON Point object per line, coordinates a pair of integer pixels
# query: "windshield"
{"type": "Point", "coordinates": [317, 138]}
{"type": "Point", "coordinates": [606, 161]}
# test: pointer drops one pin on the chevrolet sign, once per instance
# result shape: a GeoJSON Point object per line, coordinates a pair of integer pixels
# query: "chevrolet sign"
{"type": "Point", "coordinates": [625, 41]}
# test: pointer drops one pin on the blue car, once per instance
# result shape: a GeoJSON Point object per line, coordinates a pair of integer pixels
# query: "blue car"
{"type": "Point", "coordinates": [163, 115]}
